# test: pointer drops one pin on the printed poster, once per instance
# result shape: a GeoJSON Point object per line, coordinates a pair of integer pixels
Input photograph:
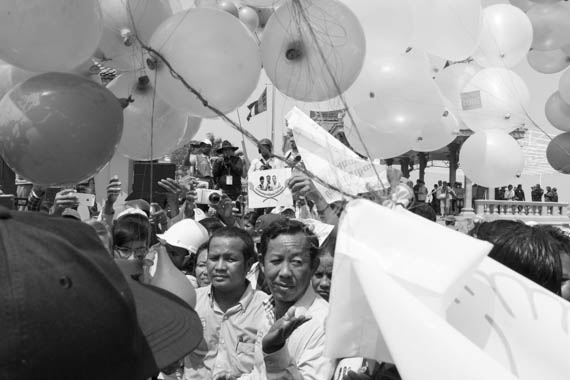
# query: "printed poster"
{"type": "Point", "coordinates": [267, 188]}
{"type": "Point", "coordinates": [332, 161]}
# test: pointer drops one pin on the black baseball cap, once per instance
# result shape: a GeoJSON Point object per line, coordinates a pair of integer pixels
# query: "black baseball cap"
{"type": "Point", "coordinates": [69, 312]}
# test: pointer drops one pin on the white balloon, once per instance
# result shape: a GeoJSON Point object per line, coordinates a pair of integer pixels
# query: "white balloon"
{"type": "Point", "coordinates": [151, 128]}
{"type": "Point", "coordinates": [379, 144]}
{"type": "Point", "coordinates": [387, 25]}
{"type": "Point", "coordinates": [381, 76]}
{"type": "Point", "coordinates": [506, 36]}
{"type": "Point", "coordinates": [436, 64]}
{"type": "Point", "coordinates": [447, 28]}
{"type": "Point", "coordinates": [215, 53]}
{"type": "Point", "coordinates": [491, 158]}
{"type": "Point", "coordinates": [125, 22]}
{"type": "Point", "coordinates": [249, 17]}
{"type": "Point", "coordinates": [192, 126]}
{"type": "Point", "coordinates": [301, 64]}
{"type": "Point", "coordinates": [410, 116]}
{"type": "Point", "coordinates": [437, 135]}
{"type": "Point", "coordinates": [453, 79]}
{"type": "Point", "coordinates": [495, 98]}
{"type": "Point", "coordinates": [49, 35]}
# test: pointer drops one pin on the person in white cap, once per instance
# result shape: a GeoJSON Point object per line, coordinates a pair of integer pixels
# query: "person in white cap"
{"type": "Point", "coordinates": [182, 240]}
{"type": "Point", "coordinates": [200, 163]}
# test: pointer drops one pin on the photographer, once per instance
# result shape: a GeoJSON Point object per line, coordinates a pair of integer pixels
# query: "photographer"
{"type": "Point", "coordinates": [228, 171]}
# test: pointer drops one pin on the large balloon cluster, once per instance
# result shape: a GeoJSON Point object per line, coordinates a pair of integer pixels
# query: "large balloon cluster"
{"type": "Point", "coordinates": [549, 54]}
{"type": "Point", "coordinates": [435, 67]}
{"type": "Point", "coordinates": [178, 61]}
{"type": "Point", "coordinates": [183, 60]}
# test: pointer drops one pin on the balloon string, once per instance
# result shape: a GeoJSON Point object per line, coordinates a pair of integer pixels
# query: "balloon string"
{"type": "Point", "coordinates": [336, 85]}
{"type": "Point", "coordinates": [152, 137]}
{"type": "Point", "coordinates": [237, 127]}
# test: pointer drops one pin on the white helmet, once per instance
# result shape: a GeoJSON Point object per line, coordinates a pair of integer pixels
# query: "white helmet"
{"type": "Point", "coordinates": [187, 234]}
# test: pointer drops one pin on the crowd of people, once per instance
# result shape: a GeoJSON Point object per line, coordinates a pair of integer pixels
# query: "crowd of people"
{"type": "Point", "coordinates": [251, 286]}
{"type": "Point", "coordinates": [449, 200]}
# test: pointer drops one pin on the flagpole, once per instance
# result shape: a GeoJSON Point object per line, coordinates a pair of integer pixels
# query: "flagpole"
{"type": "Point", "coordinates": [272, 113]}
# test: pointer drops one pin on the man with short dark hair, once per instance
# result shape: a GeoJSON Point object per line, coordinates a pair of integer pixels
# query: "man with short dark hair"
{"type": "Point", "coordinates": [519, 193]}
{"type": "Point", "coordinates": [266, 160]}
{"type": "Point", "coordinates": [530, 251]}
{"type": "Point", "coordinates": [536, 193]}
{"type": "Point", "coordinates": [230, 309]}
{"type": "Point", "coordinates": [262, 185]}
{"type": "Point", "coordinates": [563, 240]}
{"type": "Point", "coordinates": [292, 342]}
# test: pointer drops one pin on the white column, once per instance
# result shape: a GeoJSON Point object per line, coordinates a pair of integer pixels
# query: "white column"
{"type": "Point", "coordinates": [468, 206]}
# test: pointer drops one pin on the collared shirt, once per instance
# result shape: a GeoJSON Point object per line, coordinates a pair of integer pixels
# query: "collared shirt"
{"type": "Point", "coordinates": [201, 164]}
{"type": "Point", "coordinates": [229, 336]}
{"type": "Point", "coordinates": [263, 164]}
{"type": "Point", "coordinates": [302, 357]}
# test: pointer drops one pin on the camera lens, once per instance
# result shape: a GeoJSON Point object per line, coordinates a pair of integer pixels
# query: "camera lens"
{"type": "Point", "coordinates": [214, 198]}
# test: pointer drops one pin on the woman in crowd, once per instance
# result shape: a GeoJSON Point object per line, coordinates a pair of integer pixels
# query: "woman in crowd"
{"type": "Point", "coordinates": [131, 235]}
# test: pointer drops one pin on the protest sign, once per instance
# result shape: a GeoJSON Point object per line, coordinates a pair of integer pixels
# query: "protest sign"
{"type": "Point", "coordinates": [332, 161]}
{"type": "Point", "coordinates": [267, 188]}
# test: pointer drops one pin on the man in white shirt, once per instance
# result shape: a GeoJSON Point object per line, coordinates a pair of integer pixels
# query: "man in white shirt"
{"type": "Point", "coordinates": [291, 344]}
{"type": "Point", "coordinates": [230, 309]}
{"type": "Point", "coordinates": [267, 160]}
{"type": "Point", "coordinates": [510, 193]}
{"type": "Point", "coordinates": [200, 162]}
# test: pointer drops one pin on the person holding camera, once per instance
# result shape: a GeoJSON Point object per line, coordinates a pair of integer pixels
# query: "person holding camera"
{"type": "Point", "coordinates": [266, 160]}
{"type": "Point", "coordinates": [227, 171]}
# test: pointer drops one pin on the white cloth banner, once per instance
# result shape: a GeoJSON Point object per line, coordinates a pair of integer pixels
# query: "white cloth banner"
{"type": "Point", "coordinates": [331, 160]}
{"type": "Point", "coordinates": [417, 294]}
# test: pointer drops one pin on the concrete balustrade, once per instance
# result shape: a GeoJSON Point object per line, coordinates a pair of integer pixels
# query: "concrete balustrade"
{"type": "Point", "coordinates": [539, 212]}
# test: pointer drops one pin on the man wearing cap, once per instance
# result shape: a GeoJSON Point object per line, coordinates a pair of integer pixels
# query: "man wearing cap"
{"type": "Point", "coordinates": [292, 341]}
{"type": "Point", "coordinates": [266, 160]}
{"type": "Point", "coordinates": [228, 170]}
{"type": "Point", "coordinates": [70, 312]}
{"type": "Point", "coordinates": [200, 162]}
{"type": "Point", "coordinates": [230, 309]}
